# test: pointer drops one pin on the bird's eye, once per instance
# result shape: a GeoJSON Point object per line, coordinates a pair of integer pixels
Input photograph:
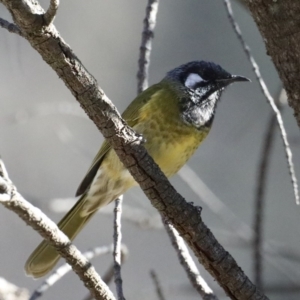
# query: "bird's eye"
{"type": "Point", "coordinates": [193, 80]}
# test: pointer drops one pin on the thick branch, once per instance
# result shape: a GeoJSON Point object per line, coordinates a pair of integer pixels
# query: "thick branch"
{"type": "Point", "coordinates": [184, 216]}
{"type": "Point", "coordinates": [278, 22]}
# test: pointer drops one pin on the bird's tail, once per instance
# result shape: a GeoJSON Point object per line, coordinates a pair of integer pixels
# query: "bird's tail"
{"type": "Point", "coordinates": [44, 257]}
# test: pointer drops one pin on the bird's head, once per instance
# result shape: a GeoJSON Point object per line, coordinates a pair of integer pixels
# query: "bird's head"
{"type": "Point", "coordinates": [200, 85]}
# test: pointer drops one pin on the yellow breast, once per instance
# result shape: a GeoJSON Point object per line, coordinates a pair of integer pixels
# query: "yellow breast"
{"type": "Point", "coordinates": [169, 140]}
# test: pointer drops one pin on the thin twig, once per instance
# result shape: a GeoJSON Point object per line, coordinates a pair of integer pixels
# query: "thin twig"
{"type": "Point", "coordinates": [33, 217]}
{"type": "Point", "coordinates": [146, 45]}
{"type": "Point", "coordinates": [268, 97]}
{"type": "Point", "coordinates": [10, 27]}
{"type": "Point", "coordinates": [50, 281]}
{"type": "Point", "coordinates": [50, 14]}
{"type": "Point", "coordinates": [262, 177]}
{"type": "Point", "coordinates": [109, 275]}
{"type": "Point", "coordinates": [157, 284]}
{"type": "Point", "coordinates": [117, 247]}
{"type": "Point", "coordinates": [188, 264]}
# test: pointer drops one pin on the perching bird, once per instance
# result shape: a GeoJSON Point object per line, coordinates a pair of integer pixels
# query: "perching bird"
{"type": "Point", "coordinates": [174, 116]}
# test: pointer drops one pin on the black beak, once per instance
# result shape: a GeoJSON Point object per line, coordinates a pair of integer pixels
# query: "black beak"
{"type": "Point", "coordinates": [232, 79]}
{"type": "Point", "coordinates": [235, 78]}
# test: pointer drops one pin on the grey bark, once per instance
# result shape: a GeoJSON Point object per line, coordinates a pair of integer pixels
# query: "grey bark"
{"type": "Point", "coordinates": [279, 25]}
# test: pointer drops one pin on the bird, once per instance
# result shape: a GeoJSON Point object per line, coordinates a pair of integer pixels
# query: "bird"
{"type": "Point", "coordinates": [173, 116]}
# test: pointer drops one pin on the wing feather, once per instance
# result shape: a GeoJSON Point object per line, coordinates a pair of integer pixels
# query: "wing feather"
{"type": "Point", "coordinates": [131, 116]}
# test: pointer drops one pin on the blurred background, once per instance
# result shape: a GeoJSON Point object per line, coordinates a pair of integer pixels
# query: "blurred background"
{"type": "Point", "coordinates": [47, 144]}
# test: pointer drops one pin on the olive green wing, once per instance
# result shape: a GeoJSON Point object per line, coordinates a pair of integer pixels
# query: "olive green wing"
{"type": "Point", "coordinates": [131, 113]}
{"type": "Point", "coordinates": [131, 116]}
{"type": "Point", "coordinates": [92, 171]}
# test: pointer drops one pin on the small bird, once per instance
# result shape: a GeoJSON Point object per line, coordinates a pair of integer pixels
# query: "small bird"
{"type": "Point", "coordinates": [174, 116]}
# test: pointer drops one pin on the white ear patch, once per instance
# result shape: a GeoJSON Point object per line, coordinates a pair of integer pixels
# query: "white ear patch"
{"type": "Point", "coordinates": [192, 80]}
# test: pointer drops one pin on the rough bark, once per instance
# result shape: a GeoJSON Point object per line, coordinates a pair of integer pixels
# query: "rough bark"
{"type": "Point", "coordinates": [279, 25]}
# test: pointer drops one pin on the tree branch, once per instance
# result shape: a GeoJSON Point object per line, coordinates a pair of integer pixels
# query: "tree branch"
{"type": "Point", "coordinates": [146, 44]}
{"type": "Point", "coordinates": [262, 175]}
{"type": "Point", "coordinates": [241, 231]}
{"type": "Point", "coordinates": [117, 247]}
{"type": "Point", "coordinates": [127, 144]}
{"type": "Point", "coordinates": [278, 23]}
{"type": "Point", "coordinates": [9, 291]}
{"type": "Point", "coordinates": [269, 98]}
{"type": "Point", "coordinates": [109, 274]}
{"type": "Point", "coordinates": [64, 269]}
{"type": "Point", "coordinates": [10, 27]}
{"type": "Point", "coordinates": [159, 292]}
{"type": "Point", "coordinates": [188, 264]}
{"type": "Point", "coordinates": [51, 12]}
{"type": "Point", "coordinates": [33, 217]}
